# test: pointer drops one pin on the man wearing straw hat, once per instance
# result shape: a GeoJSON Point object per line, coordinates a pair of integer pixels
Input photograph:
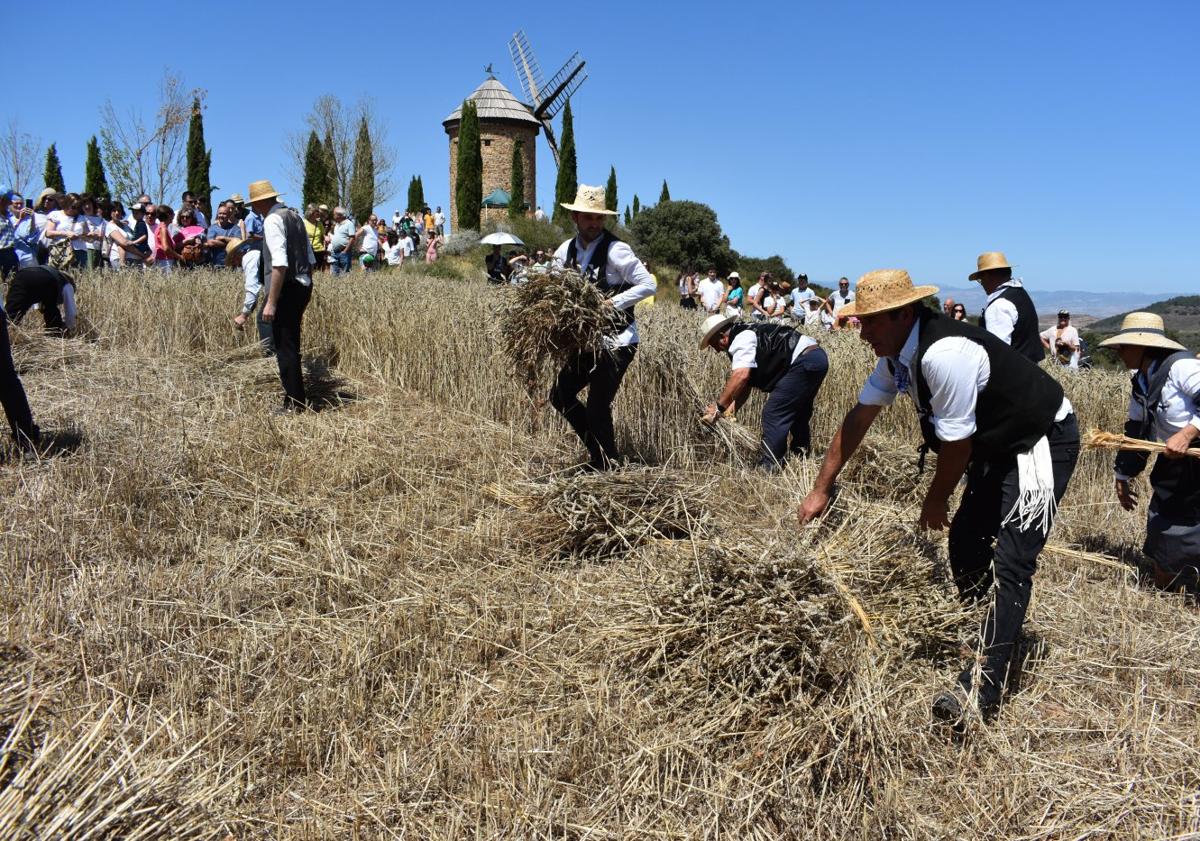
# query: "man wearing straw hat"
{"type": "Point", "coordinates": [989, 412]}
{"type": "Point", "coordinates": [610, 264]}
{"type": "Point", "coordinates": [287, 265]}
{"type": "Point", "coordinates": [776, 359]}
{"type": "Point", "coordinates": [1009, 312]}
{"type": "Point", "coordinates": [1164, 406]}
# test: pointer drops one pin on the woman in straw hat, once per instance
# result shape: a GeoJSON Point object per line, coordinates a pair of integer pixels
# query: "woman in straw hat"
{"type": "Point", "coordinates": [989, 412]}
{"type": "Point", "coordinates": [1163, 407]}
{"type": "Point", "coordinates": [612, 266]}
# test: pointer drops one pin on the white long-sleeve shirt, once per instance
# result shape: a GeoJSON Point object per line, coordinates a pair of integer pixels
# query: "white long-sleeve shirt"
{"type": "Point", "coordinates": [1176, 405]}
{"type": "Point", "coordinates": [623, 268]}
{"type": "Point", "coordinates": [955, 368]}
{"type": "Point", "coordinates": [275, 238]}
{"type": "Point", "coordinates": [1001, 313]}
{"type": "Point", "coordinates": [252, 283]}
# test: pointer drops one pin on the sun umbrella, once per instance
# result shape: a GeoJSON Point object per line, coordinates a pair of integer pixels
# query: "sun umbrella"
{"type": "Point", "coordinates": [500, 238]}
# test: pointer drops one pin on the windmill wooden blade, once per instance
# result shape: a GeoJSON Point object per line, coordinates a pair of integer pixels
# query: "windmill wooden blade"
{"type": "Point", "coordinates": [554, 95]}
{"type": "Point", "coordinates": [527, 67]}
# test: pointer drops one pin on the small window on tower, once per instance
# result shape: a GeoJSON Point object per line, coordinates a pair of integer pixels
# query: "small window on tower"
{"type": "Point", "coordinates": [487, 143]}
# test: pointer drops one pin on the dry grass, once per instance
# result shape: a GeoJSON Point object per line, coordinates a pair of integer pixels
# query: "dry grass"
{"type": "Point", "coordinates": [327, 627]}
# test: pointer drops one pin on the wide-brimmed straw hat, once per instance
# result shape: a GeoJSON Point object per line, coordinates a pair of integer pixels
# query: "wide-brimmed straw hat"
{"type": "Point", "coordinates": [233, 245]}
{"type": "Point", "coordinates": [883, 290]}
{"type": "Point", "coordinates": [713, 325]}
{"type": "Point", "coordinates": [589, 200]}
{"type": "Point", "coordinates": [261, 190]}
{"type": "Point", "coordinates": [44, 194]}
{"type": "Point", "coordinates": [1143, 329]}
{"type": "Point", "coordinates": [987, 261]}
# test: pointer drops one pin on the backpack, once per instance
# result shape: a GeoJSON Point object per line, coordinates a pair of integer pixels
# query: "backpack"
{"type": "Point", "coordinates": [62, 254]}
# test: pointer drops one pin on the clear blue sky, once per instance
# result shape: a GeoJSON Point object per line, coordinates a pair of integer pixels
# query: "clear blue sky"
{"type": "Point", "coordinates": [844, 136]}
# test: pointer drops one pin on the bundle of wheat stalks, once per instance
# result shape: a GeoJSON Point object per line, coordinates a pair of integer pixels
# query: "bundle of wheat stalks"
{"type": "Point", "coordinates": [1100, 440]}
{"type": "Point", "coordinates": [554, 314]}
{"type": "Point", "coordinates": [594, 516]}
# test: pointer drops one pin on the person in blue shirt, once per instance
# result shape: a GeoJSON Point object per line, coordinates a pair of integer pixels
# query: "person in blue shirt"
{"type": "Point", "coordinates": [224, 230]}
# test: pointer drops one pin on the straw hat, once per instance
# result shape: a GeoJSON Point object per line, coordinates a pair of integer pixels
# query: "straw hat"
{"type": "Point", "coordinates": [1143, 329]}
{"type": "Point", "coordinates": [883, 290]}
{"type": "Point", "coordinates": [261, 190]}
{"type": "Point", "coordinates": [236, 198]}
{"type": "Point", "coordinates": [49, 191]}
{"type": "Point", "coordinates": [712, 325]}
{"type": "Point", "coordinates": [232, 246]}
{"type": "Point", "coordinates": [589, 200]}
{"type": "Point", "coordinates": [987, 261]}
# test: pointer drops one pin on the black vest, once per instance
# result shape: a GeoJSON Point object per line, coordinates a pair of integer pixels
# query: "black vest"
{"type": "Point", "coordinates": [1014, 409]}
{"type": "Point", "coordinates": [773, 353]}
{"type": "Point", "coordinates": [596, 270]}
{"type": "Point", "coordinates": [297, 245]}
{"type": "Point", "coordinates": [1131, 462]}
{"type": "Point", "coordinates": [1026, 338]}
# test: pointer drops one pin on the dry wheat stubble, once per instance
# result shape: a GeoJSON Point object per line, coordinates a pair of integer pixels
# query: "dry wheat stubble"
{"type": "Point", "coordinates": [355, 640]}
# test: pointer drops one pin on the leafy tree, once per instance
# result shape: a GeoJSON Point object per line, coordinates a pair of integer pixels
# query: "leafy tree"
{"type": "Point", "coordinates": [468, 189]}
{"type": "Point", "coordinates": [637, 206]}
{"type": "Point", "coordinates": [52, 171]}
{"type": "Point", "coordinates": [610, 190]}
{"type": "Point", "coordinates": [568, 180]}
{"type": "Point", "coordinates": [628, 216]}
{"type": "Point", "coordinates": [665, 195]}
{"type": "Point", "coordinates": [516, 202]}
{"type": "Point", "coordinates": [682, 233]}
{"type": "Point", "coordinates": [199, 159]}
{"type": "Point", "coordinates": [362, 181]}
{"type": "Point", "coordinates": [94, 182]}
{"type": "Point", "coordinates": [751, 267]}
{"type": "Point", "coordinates": [318, 183]}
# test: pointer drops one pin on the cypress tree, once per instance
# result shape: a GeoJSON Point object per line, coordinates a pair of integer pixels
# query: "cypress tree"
{"type": "Point", "coordinates": [628, 217]}
{"type": "Point", "coordinates": [637, 206]}
{"type": "Point", "coordinates": [568, 180]}
{"type": "Point", "coordinates": [52, 172]}
{"type": "Point", "coordinates": [362, 180]}
{"type": "Point", "coordinates": [421, 188]}
{"type": "Point", "coordinates": [468, 190]}
{"type": "Point", "coordinates": [199, 158]}
{"type": "Point", "coordinates": [665, 195]}
{"type": "Point", "coordinates": [516, 202]}
{"type": "Point", "coordinates": [94, 182]}
{"type": "Point", "coordinates": [610, 189]}
{"type": "Point", "coordinates": [411, 202]}
{"type": "Point", "coordinates": [315, 189]}
{"type": "Point", "coordinates": [335, 188]}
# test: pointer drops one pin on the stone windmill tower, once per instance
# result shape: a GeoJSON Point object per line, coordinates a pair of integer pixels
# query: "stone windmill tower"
{"type": "Point", "coordinates": [503, 120]}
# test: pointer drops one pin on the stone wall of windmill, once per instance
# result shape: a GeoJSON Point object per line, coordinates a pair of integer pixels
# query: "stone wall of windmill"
{"type": "Point", "coordinates": [503, 120]}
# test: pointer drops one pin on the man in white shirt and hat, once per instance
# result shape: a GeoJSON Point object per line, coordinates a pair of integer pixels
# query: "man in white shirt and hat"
{"type": "Point", "coordinates": [775, 359]}
{"type": "Point", "coordinates": [1009, 313]}
{"type": "Point", "coordinates": [609, 263]}
{"type": "Point", "coordinates": [1164, 406]}
{"type": "Point", "coordinates": [989, 412]}
{"type": "Point", "coordinates": [287, 267]}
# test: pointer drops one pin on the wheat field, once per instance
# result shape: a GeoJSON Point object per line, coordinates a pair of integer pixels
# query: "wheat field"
{"type": "Point", "coordinates": [402, 616]}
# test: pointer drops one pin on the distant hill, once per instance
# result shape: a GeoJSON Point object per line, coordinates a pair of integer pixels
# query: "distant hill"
{"type": "Point", "coordinates": [1050, 301]}
{"type": "Point", "coordinates": [1180, 315]}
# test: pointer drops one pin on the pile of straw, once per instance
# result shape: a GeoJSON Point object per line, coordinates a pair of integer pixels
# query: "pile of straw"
{"type": "Point", "coordinates": [553, 315]}
{"type": "Point", "coordinates": [770, 621]}
{"type": "Point", "coordinates": [597, 516]}
{"type": "Point", "coordinates": [885, 472]}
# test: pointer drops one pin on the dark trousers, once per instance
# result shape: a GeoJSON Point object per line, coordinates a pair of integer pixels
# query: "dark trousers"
{"type": "Point", "coordinates": [265, 335]}
{"type": "Point", "coordinates": [285, 330]}
{"type": "Point", "coordinates": [986, 556]}
{"type": "Point", "coordinates": [35, 286]}
{"type": "Point", "coordinates": [601, 373]}
{"type": "Point", "coordinates": [8, 262]}
{"type": "Point", "coordinates": [789, 408]}
{"type": "Point", "coordinates": [12, 393]}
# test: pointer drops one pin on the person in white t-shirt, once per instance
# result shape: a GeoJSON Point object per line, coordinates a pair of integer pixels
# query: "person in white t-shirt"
{"type": "Point", "coordinates": [800, 296]}
{"type": "Point", "coordinates": [68, 223]}
{"type": "Point", "coordinates": [711, 292]}
{"type": "Point", "coordinates": [406, 245]}
{"type": "Point", "coordinates": [788, 366]}
{"type": "Point", "coordinates": [837, 300]}
{"type": "Point", "coordinates": [1062, 341]}
{"type": "Point", "coordinates": [394, 252]}
{"type": "Point", "coordinates": [754, 297]}
{"type": "Point", "coordinates": [369, 244]}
